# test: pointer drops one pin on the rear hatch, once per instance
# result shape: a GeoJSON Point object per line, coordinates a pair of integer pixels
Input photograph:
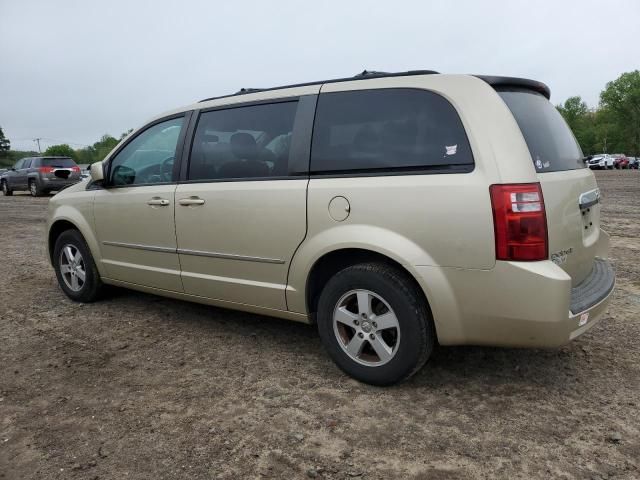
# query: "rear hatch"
{"type": "Point", "coordinates": [59, 169]}
{"type": "Point", "coordinates": [569, 188]}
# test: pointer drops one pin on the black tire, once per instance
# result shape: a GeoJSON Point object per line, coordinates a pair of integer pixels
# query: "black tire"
{"type": "Point", "coordinates": [34, 189]}
{"type": "Point", "coordinates": [92, 285]}
{"type": "Point", "coordinates": [417, 333]}
{"type": "Point", "coordinates": [6, 191]}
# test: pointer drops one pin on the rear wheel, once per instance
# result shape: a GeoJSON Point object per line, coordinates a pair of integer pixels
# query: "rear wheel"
{"type": "Point", "coordinates": [6, 191]}
{"type": "Point", "coordinates": [35, 189]}
{"type": "Point", "coordinates": [375, 324]}
{"type": "Point", "coordinates": [75, 269]}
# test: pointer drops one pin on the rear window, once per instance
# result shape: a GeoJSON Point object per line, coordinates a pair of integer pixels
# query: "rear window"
{"type": "Point", "coordinates": [388, 130]}
{"type": "Point", "coordinates": [551, 143]}
{"type": "Point", "coordinates": [57, 162]}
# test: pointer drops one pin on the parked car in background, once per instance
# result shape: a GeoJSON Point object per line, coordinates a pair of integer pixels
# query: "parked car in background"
{"type": "Point", "coordinates": [600, 161]}
{"type": "Point", "coordinates": [84, 170]}
{"type": "Point", "coordinates": [633, 162]}
{"type": "Point", "coordinates": [620, 161]}
{"type": "Point", "coordinates": [389, 209]}
{"type": "Point", "coordinates": [40, 175]}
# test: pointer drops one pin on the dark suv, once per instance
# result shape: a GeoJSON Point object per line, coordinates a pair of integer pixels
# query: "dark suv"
{"type": "Point", "coordinates": [40, 175]}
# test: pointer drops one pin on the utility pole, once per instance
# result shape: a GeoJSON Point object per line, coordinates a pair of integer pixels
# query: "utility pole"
{"type": "Point", "coordinates": [37, 140]}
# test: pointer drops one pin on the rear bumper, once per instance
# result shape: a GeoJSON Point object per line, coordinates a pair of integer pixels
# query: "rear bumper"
{"type": "Point", "coordinates": [56, 183]}
{"type": "Point", "coordinates": [516, 304]}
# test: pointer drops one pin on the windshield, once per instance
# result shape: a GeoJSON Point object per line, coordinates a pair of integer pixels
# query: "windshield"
{"type": "Point", "coordinates": [551, 143]}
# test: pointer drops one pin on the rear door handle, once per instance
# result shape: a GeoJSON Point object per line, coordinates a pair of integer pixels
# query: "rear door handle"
{"type": "Point", "coordinates": [191, 201]}
{"type": "Point", "coordinates": [156, 201]}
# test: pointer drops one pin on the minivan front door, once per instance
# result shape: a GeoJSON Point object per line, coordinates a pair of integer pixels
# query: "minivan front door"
{"type": "Point", "coordinates": [241, 210]}
{"type": "Point", "coordinates": [134, 214]}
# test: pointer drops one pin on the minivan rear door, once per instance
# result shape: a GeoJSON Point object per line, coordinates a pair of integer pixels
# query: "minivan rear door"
{"type": "Point", "coordinates": [569, 188]}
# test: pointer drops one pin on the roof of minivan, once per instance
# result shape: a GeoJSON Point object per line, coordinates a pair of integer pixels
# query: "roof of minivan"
{"type": "Point", "coordinates": [302, 88]}
{"type": "Point", "coordinates": [495, 81]}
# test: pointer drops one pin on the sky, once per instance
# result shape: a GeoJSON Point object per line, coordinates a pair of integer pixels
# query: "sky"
{"type": "Point", "coordinates": [71, 71]}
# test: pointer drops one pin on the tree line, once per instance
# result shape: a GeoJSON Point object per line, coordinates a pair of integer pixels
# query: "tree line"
{"type": "Point", "coordinates": [612, 127]}
{"type": "Point", "coordinates": [89, 154]}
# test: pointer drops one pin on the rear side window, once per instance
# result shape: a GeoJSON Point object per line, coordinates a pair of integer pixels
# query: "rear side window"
{"type": "Point", "coordinates": [243, 142]}
{"type": "Point", "coordinates": [388, 130]}
{"type": "Point", "coordinates": [27, 163]}
{"type": "Point", "coordinates": [57, 162]}
{"type": "Point", "coordinates": [551, 143]}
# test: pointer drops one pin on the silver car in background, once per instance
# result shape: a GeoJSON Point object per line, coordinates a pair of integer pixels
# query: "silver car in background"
{"type": "Point", "coordinates": [40, 175]}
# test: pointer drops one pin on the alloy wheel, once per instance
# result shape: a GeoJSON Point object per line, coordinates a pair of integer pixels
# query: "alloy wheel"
{"type": "Point", "coordinates": [72, 267]}
{"type": "Point", "coordinates": [366, 328]}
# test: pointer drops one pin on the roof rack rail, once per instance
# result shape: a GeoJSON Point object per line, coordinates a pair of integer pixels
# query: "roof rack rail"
{"type": "Point", "coordinates": [247, 90]}
{"type": "Point", "coordinates": [364, 75]}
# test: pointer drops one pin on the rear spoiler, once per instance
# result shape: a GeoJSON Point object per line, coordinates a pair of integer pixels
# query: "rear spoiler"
{"type": "Point", "coordinates": [515, 82]}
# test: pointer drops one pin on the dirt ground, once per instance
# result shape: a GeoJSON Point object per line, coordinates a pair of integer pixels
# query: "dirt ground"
{"type": "Point", "coordinates": [142, 387]}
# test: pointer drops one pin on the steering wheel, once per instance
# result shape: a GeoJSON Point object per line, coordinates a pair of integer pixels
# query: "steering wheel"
{"type": "Point", "coordinates": [166, 169]}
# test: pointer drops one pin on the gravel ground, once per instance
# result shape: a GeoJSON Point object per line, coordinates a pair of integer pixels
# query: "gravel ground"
{"type": "Point", "coordinates": [138, 386]}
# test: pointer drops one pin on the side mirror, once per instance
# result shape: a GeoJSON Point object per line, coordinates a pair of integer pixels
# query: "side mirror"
{"type": "Point", "coordinates": [123, 175]}
{"type": "Point", "coordinates": [96, 171]}
{"type": "Point", "coordinates": [13, 169]}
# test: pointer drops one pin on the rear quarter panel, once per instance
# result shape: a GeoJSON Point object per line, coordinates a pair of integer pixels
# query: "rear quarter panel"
{"type": "Point", "coordinates": [441, 220]}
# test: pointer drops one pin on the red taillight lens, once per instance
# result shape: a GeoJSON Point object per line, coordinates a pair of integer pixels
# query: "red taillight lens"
{"type": "Point", "coordinates": [46, 169]}
{"type": "Point", "coordinates": [75, 169]}
{"type": "Point", "coordinates": [519, 222]}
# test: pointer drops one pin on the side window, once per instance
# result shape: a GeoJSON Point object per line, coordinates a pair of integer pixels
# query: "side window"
{"type": "Point", "coordinates": [18, 164]}
{"type": "Point", "coordinates": [387, 130]}
{"type": "Point", "coordinates": [243, 142]}
{"type": "Point", "coordinates": [27, 163]}
{"type": "Point", "coordinates": [149, 157]}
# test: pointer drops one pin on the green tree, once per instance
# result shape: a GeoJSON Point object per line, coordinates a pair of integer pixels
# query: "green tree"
{"type": "Point", "coordinates": [581, 120]}
{"type": "Point", "coordinates": [621, 102]}
{"type": "Point", "coordinates": [62, 150]}
{"type": "Point", "coordinates": [103, 146]}
{"type": "Point", "coordinates": [5, 144]}
{"type": "Point", "coordinates": [574, 110]}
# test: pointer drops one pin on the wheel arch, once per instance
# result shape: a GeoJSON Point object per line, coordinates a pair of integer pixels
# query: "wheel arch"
{"type": "Point", "coordinates": [65, 222]}
{"type": "Point", "coordinates": [333, 261]}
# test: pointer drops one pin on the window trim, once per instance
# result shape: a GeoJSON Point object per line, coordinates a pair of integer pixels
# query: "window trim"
{"type": "Point", "coordinates": [177, 160]}
{"type": "Point", "coordinates": [299, 151]}
{"type": "Point", "coordinates": [458, 168]}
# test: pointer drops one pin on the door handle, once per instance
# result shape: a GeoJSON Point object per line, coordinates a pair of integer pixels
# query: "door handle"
{"type": "Point", "coordinates": [155, 201]}
{"type": "Point", "coordinates": [191, 201]}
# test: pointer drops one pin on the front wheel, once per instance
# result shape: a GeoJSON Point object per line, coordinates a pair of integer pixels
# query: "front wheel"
{"type": "Point", "coordinates": [6, 191]}
{"type": "Point", "coordinates": [75, 269]}
{"type": "Point", "coordinates": [375, 324]}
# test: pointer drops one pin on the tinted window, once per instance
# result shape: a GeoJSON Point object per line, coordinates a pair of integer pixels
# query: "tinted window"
{"type": "Point", "coordinates": [551, 144]}
{"type": "Point", "coordinates": [243, 142]}
{"type": "Point", "coordinates": [387, 130]}
{"type": "Point", "coordinates": [149, 157]}
{"type": "Point", "coordinates": [57, 162]}
{"type": "Point", "coordinates": [27, 163]}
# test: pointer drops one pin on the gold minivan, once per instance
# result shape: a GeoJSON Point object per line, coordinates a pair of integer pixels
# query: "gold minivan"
{"type": "Point", "coordinates": [393, 210]}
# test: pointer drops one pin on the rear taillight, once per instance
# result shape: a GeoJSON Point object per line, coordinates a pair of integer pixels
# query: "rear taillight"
{"type": "Point", "coordinates": [46, 169]}
{"type": "Point", "coordinates": [75, 169]}
{"type": "Point", "coordinates": [519, 222]}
